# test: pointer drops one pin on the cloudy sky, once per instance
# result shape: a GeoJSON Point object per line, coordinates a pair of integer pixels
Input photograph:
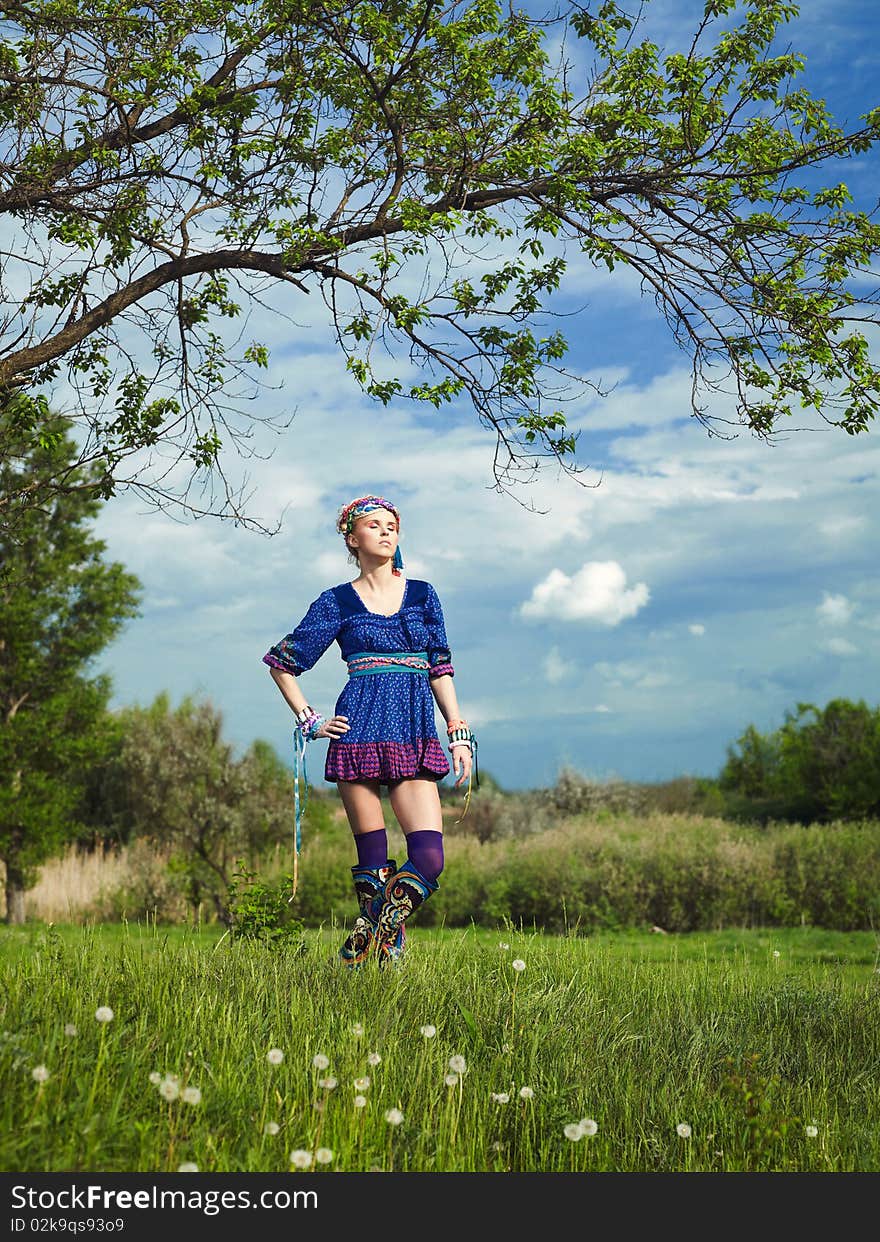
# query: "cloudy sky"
{"type": "Point", "coordinates": [687, 586]}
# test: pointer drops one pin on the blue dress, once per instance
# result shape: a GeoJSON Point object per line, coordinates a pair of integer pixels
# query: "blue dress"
{"type": "Point", "coordinates": [392, 734]}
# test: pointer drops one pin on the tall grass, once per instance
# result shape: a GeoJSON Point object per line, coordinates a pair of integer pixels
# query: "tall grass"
{"type": "Point", "coordinates": [753, 1050]}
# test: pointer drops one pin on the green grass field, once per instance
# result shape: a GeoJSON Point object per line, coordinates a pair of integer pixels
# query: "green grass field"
{"type": "Point", "coordinates": [764, 1044]}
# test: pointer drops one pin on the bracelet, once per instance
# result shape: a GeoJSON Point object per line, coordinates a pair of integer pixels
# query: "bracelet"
{"type": "Point", "coordinates": [455, 724]}
{"type": "Point", "coordinates": [309, 722]}
{"type": "Point", "coordinates": [452, 745]}
{"type": "Point", "coordinates": [460, 732]}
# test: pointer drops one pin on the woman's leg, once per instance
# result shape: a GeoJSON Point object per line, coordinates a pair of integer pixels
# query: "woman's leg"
{"type": "Point", "coordinates": [363, 807]}
{"type": "Point", "coordinates": [416, 805]}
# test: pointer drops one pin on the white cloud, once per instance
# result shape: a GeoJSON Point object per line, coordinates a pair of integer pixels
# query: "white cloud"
{"type": "Point", "coordinates": [834, 609]}
{"type": "Point", "coordinates": [556, 669]}
{"type": "Point", "coordinates": [597, 592]}
{"type": "Point", "coordinates": [840, 646]}
{"type": "Point", "coordinates": [697, 629]}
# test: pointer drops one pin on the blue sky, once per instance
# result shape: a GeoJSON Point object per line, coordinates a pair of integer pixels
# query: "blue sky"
{"type": "Point", "coordinates": [633, 629]}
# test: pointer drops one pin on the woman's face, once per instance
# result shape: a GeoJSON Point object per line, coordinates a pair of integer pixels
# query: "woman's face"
{"type": "Point", "coordinates": [375, 534]}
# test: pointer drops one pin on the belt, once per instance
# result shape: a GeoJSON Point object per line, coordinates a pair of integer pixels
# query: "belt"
{"type": "Point", "coordinates": [363, 663]}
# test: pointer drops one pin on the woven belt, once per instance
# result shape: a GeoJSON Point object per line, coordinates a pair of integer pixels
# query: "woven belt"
{"type": "Point", "coordinates": [363, 663]}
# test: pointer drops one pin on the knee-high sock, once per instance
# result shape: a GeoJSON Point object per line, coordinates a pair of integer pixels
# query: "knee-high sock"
{"type": "Point", "coordinates": [425, 852]}
{"type": "Point", "coordinates": [372, 848]}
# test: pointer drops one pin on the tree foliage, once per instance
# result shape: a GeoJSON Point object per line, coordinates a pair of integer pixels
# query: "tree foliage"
{"type": "Point", "coordinates": [60, 604]}
{"type": "Point", "coordinates": [428, 170]}
{"type": "Point", "coordinates": [176, 780]}
{"type": "Point", "coordinates": [822, 764]}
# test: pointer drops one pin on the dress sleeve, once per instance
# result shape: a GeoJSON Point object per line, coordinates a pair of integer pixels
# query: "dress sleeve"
{"type": "Point", "coordinates": [304, 646]}
{"type": "Point", "coordinates": [439, 655]}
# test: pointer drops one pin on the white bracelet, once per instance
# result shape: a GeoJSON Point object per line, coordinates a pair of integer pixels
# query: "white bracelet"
{"type": "Point", "coordinates": [454, 744]}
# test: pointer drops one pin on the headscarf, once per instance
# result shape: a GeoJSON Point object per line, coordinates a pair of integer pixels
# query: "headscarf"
{"type": "Point", "coordinates": [359, 508]}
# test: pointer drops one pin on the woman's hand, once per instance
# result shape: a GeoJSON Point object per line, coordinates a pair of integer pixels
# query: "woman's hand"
{"type": "Point", "coordinates": [462, 761]}
{"type": "Point", "coordinates": [334, 727]}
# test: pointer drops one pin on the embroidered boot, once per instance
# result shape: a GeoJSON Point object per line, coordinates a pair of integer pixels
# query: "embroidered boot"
{"type": "Point", "coordinates": [404, 892]}
{"type": "Point", "coordinates": [369, 885]}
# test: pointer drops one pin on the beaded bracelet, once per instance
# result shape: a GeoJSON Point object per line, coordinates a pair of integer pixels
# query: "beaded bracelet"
{"type": "Point", "coordinates": [459, 731]}
{"type": "Point", "coordinates": [308, 721]}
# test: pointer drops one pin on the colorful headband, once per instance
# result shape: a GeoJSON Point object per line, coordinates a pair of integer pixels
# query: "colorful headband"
{"type": "Point", "coordinates": [359, 508]}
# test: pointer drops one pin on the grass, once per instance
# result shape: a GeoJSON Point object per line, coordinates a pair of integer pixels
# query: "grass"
{"type": "Point", "coordinates": [640, 1033]}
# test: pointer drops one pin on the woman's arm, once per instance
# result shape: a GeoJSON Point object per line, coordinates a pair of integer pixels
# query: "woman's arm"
{"type": "Point", "coordinates": [297, 702]}
{"type": "Point", "coordinates": [443, 690]}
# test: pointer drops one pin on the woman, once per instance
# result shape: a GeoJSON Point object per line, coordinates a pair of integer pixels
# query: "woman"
{"type": "Point", "coordinates": [391, 632]}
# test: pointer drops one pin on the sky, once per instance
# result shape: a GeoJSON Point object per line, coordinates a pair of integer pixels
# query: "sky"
{"type": "Point", "coordinates": [684, 587]}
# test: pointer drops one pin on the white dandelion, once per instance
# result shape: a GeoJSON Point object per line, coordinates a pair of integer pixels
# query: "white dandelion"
{"type": "Point", "coordinates": [301, 1159]}
{"type": "Point", "coordinates": [776, 953]}
{"type": "Point", "coordinates": [526, 1093]}
{"type": "Point", "coordinates": [323, 1155]}
{"type": "Point", "coordinates": [362, 1084]}
{"type": "Point", "coordinates": [573, 1132]}
{"type": "Point", "coordinates": [191, 1095]}
{"type": "Point", "coordinates": [274, 1056]}
{"type": "Point", "coordinates": [187, 1167]}
{"type": "Point", "coordinates": [104, 1013]}
{"type": "Point", "coordinates": [357, 1030]}
{"type": "Point", "coordinates": [428, 1031]}
{"type": "Point", "coordinates": [320, 1061]}
{"type": "Point", "coordinates": [811, 1131]}
{"type": "Point", "coordinates": [683, 1130]}
{"type": "Point", "coordinates": [271, 1128]}
{"type": "Point", "coordinates": [169, 1089]}
{"type": "Point", "coordinates": [360, 1101]}
{"type": "Point", "coordinates": [457, 1064]}
{"type": "Point", "coordinates": [155, 1078]}
{"type": "Point", "coordinates": [373, 1058]}
{"type": "Point", "coordinates": [328, 1084]}
{"type": "Point", "coordinates": [518, 964]}
{"type": "Point", "coordinates": [40, 1073]}
{"type": "Point", "coordinates": [588, 1126]}
{"type": "Point", "coordinates": [70, 1030]}
{"type": "Point", "coordinates": [452, 1080]}
{"type": "Point", "coordinates": [501, 1097]}
{"type": "Point", "coordinates": [394, 1116]}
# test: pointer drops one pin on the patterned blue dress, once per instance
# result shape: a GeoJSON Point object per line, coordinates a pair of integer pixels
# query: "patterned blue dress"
{"type": "Point", "coordinates": [392, 734]}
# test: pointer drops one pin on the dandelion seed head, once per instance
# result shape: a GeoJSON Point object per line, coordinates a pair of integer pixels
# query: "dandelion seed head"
{"type": "Point", "coordinates": [683, 1130]}
{"type": "Point", "coordinates": [70, 1029]}
{"type": "Point", "coordinates": [811, 1131]}
{"type": "Point", "coordinates": [457, 1064]}
{"type": "Point", "coordinates": [187, 1167]}
{"type": "Point", "coordinates": [394, 1116]}
{"type": "Point", "coordinates": [373, 1058]}
{"type": "Point", "coordinates": [588, 1126]}
{"type": "Point", "coordinates": [320, 1061]}
{"type": "Point", "coordinates": [776, 953]}
{"type": "Point", "coordinates": [274, 1056]}
{"type": "Point", "coordinates": [503, 945]}
{"type": "Point", "coordinates": [169, 1089]}
{"type": "Point", "coordinates": [40, 1073]}
{"type": "Point", "coordinates": [428, 1031]}
{"type": "Point", "coordinates": [526, 1093]}
{"type": "Point", "coordinates": [360, 1101]}
{"type": "Point", "coordinates": [357, 1030]}
{"type": "Point", "coordinates": [323, 1155]}
{"type": "Point", "coordinates": [327, 1084]}
{"type": "Point", "coordinates": [452, 1080]}
{"type": "Point", "coordinates": [573, 1132]}
{"type": "Point", "coordinates": [518, 964]}
{"type": "Point", "coordinates": [104, 1013]}
{"type": "Point", "coordinates": [301, 1159]}
{"type": "Point", "coordinates": [155, 1078]}
{"type": "Point", "coordinates": [362, 1084]}
{"type": "Point", "coordinates": [501, 1097]}
{"type": "Point", "coordinates": [191, 1095]}
{"type": "Point", "coordinates": [271, 1128]}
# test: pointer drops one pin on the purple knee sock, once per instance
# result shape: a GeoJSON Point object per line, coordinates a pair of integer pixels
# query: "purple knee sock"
{"type": "Point", "coordinates": [425, 850]}
{"type": "Point", "coordinates": [372, 848]}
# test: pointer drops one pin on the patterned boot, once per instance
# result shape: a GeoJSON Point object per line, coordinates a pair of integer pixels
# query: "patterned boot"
{"type": "Point", "coordinates": [404, 892]}
{"type": "Point", "coordinates": [369, 885]}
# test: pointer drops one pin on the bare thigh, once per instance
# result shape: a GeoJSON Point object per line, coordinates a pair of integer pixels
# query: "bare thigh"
{"type": "Point", "coordinates": [416, 805]}
{"type": "Point", "coordinates": [363, 806]}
